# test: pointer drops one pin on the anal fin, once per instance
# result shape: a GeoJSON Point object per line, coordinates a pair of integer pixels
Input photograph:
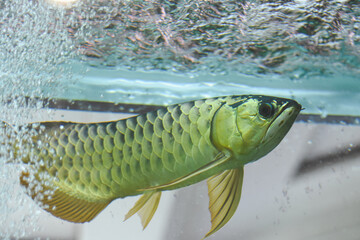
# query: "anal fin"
{"type": "Point", "coordinates": [64, 205]}
{"type": "Point", "coordinates": [71, 208]}
{"type": "Point", "coordinates": [145, 207]}
{"type": "Point", "coordinates": [224, 192]}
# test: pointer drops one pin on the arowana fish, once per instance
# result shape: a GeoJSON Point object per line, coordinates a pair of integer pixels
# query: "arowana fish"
{"type": "Point", "coordinates": [85, 166]}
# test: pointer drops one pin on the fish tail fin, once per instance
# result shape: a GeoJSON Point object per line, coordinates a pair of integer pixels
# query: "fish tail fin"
{"type": "Point", "coordinates": [60, 203]}
{"type": "Point", "coordinates": [145, 207]}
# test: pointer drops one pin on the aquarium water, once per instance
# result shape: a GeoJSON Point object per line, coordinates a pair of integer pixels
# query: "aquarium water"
{"type": "Point", "coordinates": [160, 52]}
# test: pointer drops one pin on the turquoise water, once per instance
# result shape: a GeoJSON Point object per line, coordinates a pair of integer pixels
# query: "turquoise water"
{"type": "Point", "coordinates": [161, 52]}
{"type": "Point", "coordinates": [168, 51]}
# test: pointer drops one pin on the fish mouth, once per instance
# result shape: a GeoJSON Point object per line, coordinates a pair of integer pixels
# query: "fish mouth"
{"type": "Point", "coordinates": [283, 120]}
{"type": "Point", "coordinates": [290, 104]}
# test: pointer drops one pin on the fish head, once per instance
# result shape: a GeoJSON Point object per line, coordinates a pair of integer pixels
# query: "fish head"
{"type": "Point", "coordinates": [253, 125]}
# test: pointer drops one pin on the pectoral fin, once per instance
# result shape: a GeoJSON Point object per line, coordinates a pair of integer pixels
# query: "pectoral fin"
{"type": "Point", "coordinates": [224, 196]}
{"type": "Point", "coordinates": [145, 207]}
{"type": "Point", "coordinates": [219, 159]}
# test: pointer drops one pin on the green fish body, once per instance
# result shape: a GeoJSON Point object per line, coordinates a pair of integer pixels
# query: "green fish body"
{"type": "Point", "coordinates": [85, 166]}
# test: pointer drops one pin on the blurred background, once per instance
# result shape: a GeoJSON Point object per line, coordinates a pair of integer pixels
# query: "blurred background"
{"type": "Point", "coordinates": [95, 60]}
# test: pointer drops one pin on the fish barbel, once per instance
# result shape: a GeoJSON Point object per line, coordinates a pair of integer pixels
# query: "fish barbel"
{"type": "Point", "coordinates": [85, 166]}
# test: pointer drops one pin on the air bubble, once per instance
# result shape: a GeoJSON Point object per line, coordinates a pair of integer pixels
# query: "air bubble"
{"type": "Point", "coordinates": [32, 37]}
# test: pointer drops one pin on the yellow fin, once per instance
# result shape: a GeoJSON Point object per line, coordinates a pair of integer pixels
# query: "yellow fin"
{"type": "Point", "coordinates": [64, 205]}
{"type": "Point", "coordinates": [145, 207]}
{"type": "Point", "coordinates": [224, 196]}
{"type": "Point", "coordinates": [219, 159]}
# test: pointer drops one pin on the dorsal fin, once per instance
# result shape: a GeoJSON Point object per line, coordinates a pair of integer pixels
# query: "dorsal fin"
{"type": "Point", "coordinates": [145, 207]}
{"type": "Point", "coordinates": [224, 196]}
{"type": "Point", "coordinates": [64, 205]}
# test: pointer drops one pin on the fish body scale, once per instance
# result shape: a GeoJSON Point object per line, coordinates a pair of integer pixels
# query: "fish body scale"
{"type": "Point", "coordinates": [92, 164]}
{"type": "Point", "coordinates": [117, 159]}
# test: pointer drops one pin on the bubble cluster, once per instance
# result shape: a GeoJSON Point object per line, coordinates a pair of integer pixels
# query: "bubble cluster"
{"type": "Point", "coordinates": [252, 37]}
{"type": "Point", "coordinates": [34, 44]}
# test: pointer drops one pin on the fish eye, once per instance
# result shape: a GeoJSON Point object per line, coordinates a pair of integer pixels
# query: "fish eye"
{"type": "Point", "coordinates": [266, 110]}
